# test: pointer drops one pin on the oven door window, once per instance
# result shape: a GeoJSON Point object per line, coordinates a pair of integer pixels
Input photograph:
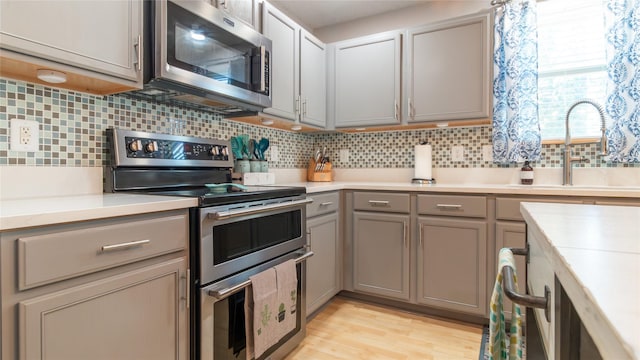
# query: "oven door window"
{"type": "Point", "coordinates": [235, 239]}
{"type": "Point", "coordinates": [200, 47]}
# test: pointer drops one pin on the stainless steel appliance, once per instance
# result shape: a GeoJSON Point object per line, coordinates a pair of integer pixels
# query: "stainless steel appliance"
{"type": "Point", "coordinates": [198, 55]}
{"type": "Point", "coordinates": [235, 232]}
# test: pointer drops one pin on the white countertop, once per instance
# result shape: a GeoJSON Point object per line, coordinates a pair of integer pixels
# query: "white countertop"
{"type": "Point", "coordinates": [21, 213]}
{"type": "Point", "coordinates": [27, 212]}
{"type": "Point", "coordinates": [595, 253]}
{"type": "Point", "coordinates": [512, 189]}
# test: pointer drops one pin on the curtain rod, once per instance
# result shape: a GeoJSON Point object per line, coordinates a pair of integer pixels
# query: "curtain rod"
{"type": "Point", "coordinates": [499, 2]}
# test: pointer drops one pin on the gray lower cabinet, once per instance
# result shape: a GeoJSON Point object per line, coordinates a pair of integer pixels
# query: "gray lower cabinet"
{"type": "Point", "coordinates": [323, 275]}
{"type": "Point", "coordinates": [512, 235]}
{"type": "Point", "coordinates": [452, 264]}
{"type": "Point", "coordinates": [136, 315]}
{"type": "Point", "coordinates": [112, 288]}
{"type": "Point", "coordinates": [381, 254]}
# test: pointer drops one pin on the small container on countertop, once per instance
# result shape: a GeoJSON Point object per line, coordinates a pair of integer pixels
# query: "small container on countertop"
{"type": "Point", "coordinates": [526, 174]}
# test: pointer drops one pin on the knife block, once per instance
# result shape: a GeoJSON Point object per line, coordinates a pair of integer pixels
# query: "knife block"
{"type": "Point", "coordinates": [325, 175]}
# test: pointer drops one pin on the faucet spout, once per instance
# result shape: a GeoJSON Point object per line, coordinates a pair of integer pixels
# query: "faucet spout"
{"type": "Point", "coordinates": [568, 158]}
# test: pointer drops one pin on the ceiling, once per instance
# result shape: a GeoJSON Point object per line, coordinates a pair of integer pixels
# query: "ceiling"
{"type": "Point", "coordinates": [315, 14]}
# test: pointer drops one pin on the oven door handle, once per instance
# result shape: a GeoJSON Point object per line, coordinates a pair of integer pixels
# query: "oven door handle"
{"type": "Point", "coordinates": [225, 293]}
{"type": "Point", "coordinates": [221, 215]}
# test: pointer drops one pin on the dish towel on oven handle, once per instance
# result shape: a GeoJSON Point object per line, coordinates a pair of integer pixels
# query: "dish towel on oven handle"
{"type": "Point", "coordinates": [502, 347]}
{"type": "Point", "coordinates": [287, 297]}
{"type": "Point", "coordinates": [261, 309]}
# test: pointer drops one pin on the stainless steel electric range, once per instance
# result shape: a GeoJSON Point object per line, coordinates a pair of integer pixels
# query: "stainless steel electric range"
{"type": "Point", "coordinates": [235, 231]}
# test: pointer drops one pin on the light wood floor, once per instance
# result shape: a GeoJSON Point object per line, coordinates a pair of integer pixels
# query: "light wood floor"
{"type": "Point", "coordinates": [349, 329]}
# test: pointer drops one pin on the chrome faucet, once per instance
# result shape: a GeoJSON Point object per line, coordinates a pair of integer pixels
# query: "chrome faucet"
{"type": "Point", "coordinates": [568, 158]}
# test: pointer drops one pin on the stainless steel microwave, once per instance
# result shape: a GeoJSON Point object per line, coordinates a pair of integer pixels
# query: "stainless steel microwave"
{"type": "Point", "coordinates": [197, 53]}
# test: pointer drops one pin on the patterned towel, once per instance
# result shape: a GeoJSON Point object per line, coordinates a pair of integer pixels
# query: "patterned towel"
{"type": "Point", "coordinates": [500, 346]}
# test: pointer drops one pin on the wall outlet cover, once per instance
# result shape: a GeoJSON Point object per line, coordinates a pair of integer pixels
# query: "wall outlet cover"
{"type": "Point", "coordinates": [344, 156]}
{"type": "Point", "coordinates": [25, 135]}
{"type": "Point", "coordinates": [274, 153]}
{"type": "Point", "coordinates": [457, 153]}
{"type": "Point", "coordinates": [487, 153]}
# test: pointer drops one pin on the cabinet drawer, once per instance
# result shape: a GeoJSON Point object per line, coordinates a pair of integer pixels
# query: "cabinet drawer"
{"type": "Point", "coordinates": [385, 202]}
{"type": "Point", "coordinates": [452, 205]}
{"type": "Point", "coordinates": [509, 208]}
{"type": "Point", "coordinates": [52, 257]}
{"type": "Point", "coordinates": [323, 203]}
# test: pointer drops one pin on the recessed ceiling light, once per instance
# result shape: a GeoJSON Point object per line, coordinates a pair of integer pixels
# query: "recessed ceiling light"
{"type": "Point", "coordinates": [296, 128]}
{"type": "Point", "coordinates": [267, 122]}
{"type": "Point", "coordinates": [360, 129]}
{"type": "Point", "coordinates": [197, 35]}
{"type": "Point", "coordinates": [442, 125]}
{"type": "Point", "coordinates": [51, 76]}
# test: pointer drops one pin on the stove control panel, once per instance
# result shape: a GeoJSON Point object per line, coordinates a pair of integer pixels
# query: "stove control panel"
{"type": "Point", "coordinates": [174, 150]}
{"type": "Point", "coordinates": [135, 148]}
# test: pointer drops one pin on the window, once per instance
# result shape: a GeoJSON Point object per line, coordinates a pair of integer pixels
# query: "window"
{"type": "Point", "coordinates": [572, 65]}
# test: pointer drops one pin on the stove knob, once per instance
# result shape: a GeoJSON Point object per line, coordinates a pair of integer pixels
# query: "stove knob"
{"type": "Point", "coordinates": [135, 145]}
{"type": "Point", "coordinates": [151, 147]}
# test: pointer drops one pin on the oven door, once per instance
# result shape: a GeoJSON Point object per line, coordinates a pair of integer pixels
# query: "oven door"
{"type": "Point", "coordinates": [222, 322]}
{"type": "Point", "coordinates": [236, 239]}
{"type": "Point", "coordinates": [199, 46]}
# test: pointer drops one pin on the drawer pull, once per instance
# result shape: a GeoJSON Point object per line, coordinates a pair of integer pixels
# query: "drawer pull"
{"type": "Point", "coordinates": [124, 245]}
{"type": "Point", "coordinates": [379, 202]}
{"type": "Point", "coordinates": [326, 203]}
{"type": "Point", "coordinates": [448, 206]}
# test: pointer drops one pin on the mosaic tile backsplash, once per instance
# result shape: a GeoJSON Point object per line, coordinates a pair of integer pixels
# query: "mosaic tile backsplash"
{"type": "Point", "coordinates": [72, 133]}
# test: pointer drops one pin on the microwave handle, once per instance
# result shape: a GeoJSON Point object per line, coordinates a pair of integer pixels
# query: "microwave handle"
{"type": "Point", "coordinates": [263, 69]}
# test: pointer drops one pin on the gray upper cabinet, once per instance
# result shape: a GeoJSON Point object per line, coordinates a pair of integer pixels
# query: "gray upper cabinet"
{"type": "Point", "coordinates": [313, 80]}
{"type": "Point", "coordinates": [366, 80]}
{"type": "Point", "coordinates": [284, 34]}
{"type": "Point", "coordinates": [244, 10]}
{"type": "Point", "coordinates": [447, 70]}
{"type": "Point", "coordinates": [298, 75]}
{"type": "Point", "coordinates": [101, 37]}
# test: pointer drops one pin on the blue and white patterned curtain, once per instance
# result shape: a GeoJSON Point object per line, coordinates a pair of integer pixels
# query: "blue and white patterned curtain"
{"type": "Point", "coordinates": [516, 129]}
{"type": "Point", "coordinates": [623, 88]}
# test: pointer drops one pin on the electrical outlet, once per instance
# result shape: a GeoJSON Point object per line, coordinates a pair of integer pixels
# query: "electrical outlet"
{"type": "Point", "coordinates": [25, 135]}
{"type": "Point", "coordinates": [344, 155]}
{"type": "Point", "coordinates": [487, 153]}
{"type": "Point", "coordinates": [274, 153]}
{"type": "Point", "coordinates": [457, 153]}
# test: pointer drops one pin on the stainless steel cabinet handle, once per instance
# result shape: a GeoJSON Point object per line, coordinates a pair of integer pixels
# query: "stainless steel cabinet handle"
{"type": "Point", "coordinates": [404, 234]}
{"type": "Point", "coordinates": [224, 293]}
{"type": "Point", "coordinates": [411, 113]}
{"type": "Point", "coordinates": [255, 210]}
{"type": "Point", "coordinates": [378, 202]}
{"type": "Point", "coordinates": [304, 107]}
{"type": "Point", "coordinates": [126, 245]}
{"type": "Point", "coordinates": [395, 110]}
{"type": "Point", "coordinates": [138, 47]}
{"type": "Point", "coordinates": [188, 287]}
{"type": "Point", "coordinates": [449, 206]}
{"type": "Point", "coordinates": [421, 234]}
{"type": "Point", "coordinates": [326, 203]}
{"type": "Point", "coordinates": [297, 110]}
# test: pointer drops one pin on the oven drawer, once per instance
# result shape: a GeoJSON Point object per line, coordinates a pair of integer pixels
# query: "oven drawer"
{"type": "Point", "coordinates": [51, 257]}
{"type": "Point", "coordinates": [453, 205]}
{"type": "Point", "coordinates": [323, 203]}
{"type": "Point", "coordinates": [380, 201]}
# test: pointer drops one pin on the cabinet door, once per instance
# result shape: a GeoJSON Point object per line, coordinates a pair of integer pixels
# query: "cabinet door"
{"type": "Point", "coordinates": [101, 36]}
{"type": "Point", "coordinates": [511, 235]}
{"type": "Point", "coordinates": [313, 75]}
{"type": "Point", "coordinates": [323, 268]}
{"type": "Point", "coordinates": [284, 34]}
{"type": "Point", "coordinates": [137, 315]}
{"type": "Point", "coordinates": [367, 81]}
{"type": "Point", "coordinates": [245, 10]}
{"type": "Point", "coordinates": [381, 254]}
{"type": "Point", "coordinates": [452, 264]}
{"type": "Point", "coordinates": [447, 70]}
